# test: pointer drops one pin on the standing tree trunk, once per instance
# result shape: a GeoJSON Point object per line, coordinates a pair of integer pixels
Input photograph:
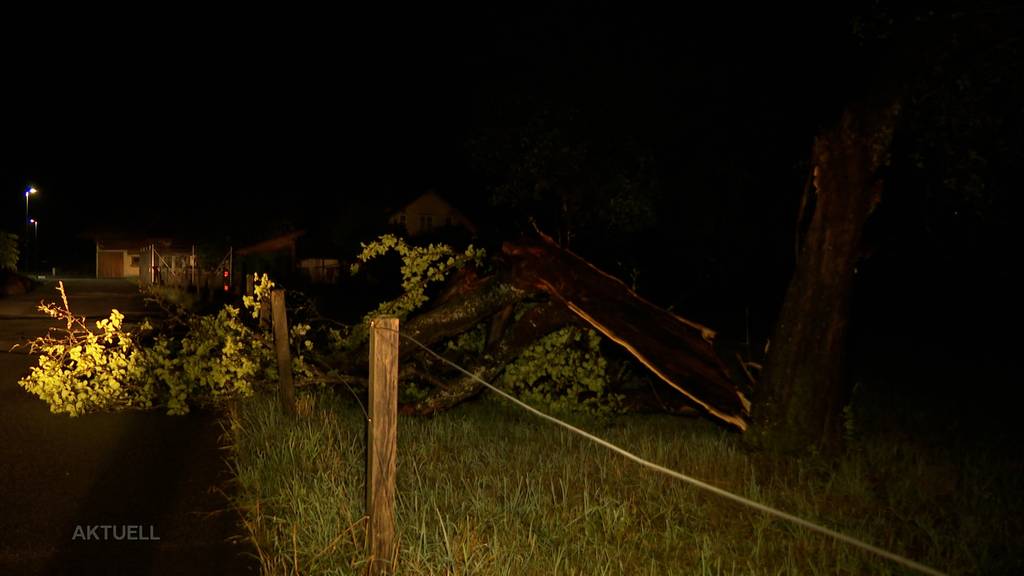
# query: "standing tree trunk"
{"type": "Point", "coordinates": [798, 403]}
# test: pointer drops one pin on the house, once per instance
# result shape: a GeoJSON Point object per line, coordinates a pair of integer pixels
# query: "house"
{"type": "Point", "coordinates": [287, 254]}
{"type": "Point", "coordinates": [427, 212]}
{"type": "Point", "coordinates": [130, 257]}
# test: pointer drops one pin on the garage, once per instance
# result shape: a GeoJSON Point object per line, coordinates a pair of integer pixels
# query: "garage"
{"type": "Point", "coordinates": [110, 263]}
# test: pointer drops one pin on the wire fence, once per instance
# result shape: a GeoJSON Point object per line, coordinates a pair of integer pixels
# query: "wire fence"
{"type": "Point", "coordinates": [182, 270]}
{"type": "Point", "coordinates": [808, 524]}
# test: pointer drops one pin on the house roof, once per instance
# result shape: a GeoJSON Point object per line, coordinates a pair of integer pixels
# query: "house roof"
{"type": "Point", "coordinates": [409, 201]}
{"type": "Point", "coordinates": [409, 198]}
{"type": "Point", "coordinates": [281, 242]}
{"type": "Point", "coordinates": [112, 241]}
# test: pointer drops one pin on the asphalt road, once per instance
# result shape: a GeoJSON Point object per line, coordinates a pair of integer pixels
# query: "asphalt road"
{"type": "Point", "coordinates": [127, 493]}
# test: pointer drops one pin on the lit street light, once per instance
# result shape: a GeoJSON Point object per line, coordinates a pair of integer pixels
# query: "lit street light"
{"type": "Point", "coordinates": [28, 192]}
{"type": "Point", "coordinates": [31, 190]}
{"type": "Point", "coordinates": [35, 242]}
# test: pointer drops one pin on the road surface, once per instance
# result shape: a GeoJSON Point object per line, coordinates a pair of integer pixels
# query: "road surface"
{"type": "Point", "coordinates": [128, 493]}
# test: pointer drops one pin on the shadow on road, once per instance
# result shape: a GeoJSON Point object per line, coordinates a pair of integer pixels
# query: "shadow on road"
{"type": "Point", "coordinates": [157, 494]}
{"type": "Point", "coordinates": [62, 479]}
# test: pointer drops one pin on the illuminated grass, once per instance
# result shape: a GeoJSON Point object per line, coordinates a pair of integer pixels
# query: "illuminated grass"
{"type": "Point", "coordinates": [486, 489]}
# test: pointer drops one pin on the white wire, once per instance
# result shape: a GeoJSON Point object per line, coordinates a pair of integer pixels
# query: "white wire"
{"type": "Point", "coordinates": [693, 481]}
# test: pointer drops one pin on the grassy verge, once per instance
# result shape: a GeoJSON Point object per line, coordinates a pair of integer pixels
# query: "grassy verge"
{"type": "Point", "coordinates": [172, 295]}
{"type": "Point", "coordinates": [487, 489]}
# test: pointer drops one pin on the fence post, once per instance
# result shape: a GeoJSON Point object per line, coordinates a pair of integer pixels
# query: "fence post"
{"type": "Point", "coordinates": [265, 312]}
{"type": "Point", "coordinates": [284, 357]}
{"type": "Point", "coordinates": [382, 434]}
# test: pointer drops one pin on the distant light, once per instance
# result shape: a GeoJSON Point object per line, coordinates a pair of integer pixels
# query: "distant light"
{"type": "Point", "coordinates": [33, 221]}
{"type": "Point", "coordinates": [31, 190]}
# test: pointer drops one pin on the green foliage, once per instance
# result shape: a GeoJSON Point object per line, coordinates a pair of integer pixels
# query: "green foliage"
{"type": "Point", "coordinates": [300, 346]}
{"type": "Point", "coordinates": [336, 340]}
{"type": "Point", "coordinates": [81, 370]}
{"type": "Point", "coordinates": [261, 292]}
{"type": "Point", "coordinates": [421, 267]}
{"type": "Point", "coordinates": [218, 357]}
{"type": "Point", "coordinates": [410, 391]}
{"type": "Point", "coordinates": [8, 251]}
{"type": "Point", "coordinates": [471, 342]}
{"type": "Point", "coordinates": [564, 372]}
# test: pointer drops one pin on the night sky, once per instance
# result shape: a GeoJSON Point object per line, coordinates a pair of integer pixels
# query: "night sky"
{"type": "Point", "coordinates": [199, 113]}
{"type": "Point", "coordinates": [226, 125]}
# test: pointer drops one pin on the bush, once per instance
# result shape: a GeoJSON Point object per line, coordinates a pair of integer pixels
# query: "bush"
{"type": "Point", "coordinates": [8, 251]}
{"type": "Point", "coordinates": [218, 357]}
{"type": "Point", "coordinates": [81, 371]}
{"type": "Point", "coordinates": [564, 372]}
{"type": "Point", "coordinates": [421, 267]}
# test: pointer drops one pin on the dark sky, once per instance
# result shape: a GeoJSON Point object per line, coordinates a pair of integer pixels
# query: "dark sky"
{"type": "Point", "coordinates": [226, 120]}
{"type": "Point", "coordinates": [195, 115]}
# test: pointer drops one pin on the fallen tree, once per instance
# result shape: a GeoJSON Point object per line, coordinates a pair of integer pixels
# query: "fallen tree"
{"type": "Point", "coordinates": [676, 350]}
{"type": "Point", "coordinates": [536, 289]}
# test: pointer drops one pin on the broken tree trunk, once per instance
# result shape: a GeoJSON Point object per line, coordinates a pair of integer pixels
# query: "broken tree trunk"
{"type": "Point", "coordinates": [456, 315]}
{"type": "Point", "coordinates": [799, 398]}
{"type": "Point", "coordinates": [475, 300]}
{"type": "Point", "coordinates": [675, 349]}
{"type": "Point", "coordinates": [536, 323]}
{"type": "Point", "coordinates": [678, 351]}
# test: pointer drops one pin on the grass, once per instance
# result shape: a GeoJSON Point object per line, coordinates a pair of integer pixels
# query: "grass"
{"type": "Point", "coordinates": [173, 295]}
{"type": "Point", "coordinates": [488, 489]}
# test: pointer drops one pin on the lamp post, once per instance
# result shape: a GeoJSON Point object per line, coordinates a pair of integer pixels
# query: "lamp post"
{"type": "Point", "coordinates": [29, 191]}
{"type": "Point", "coordinates": [35, 242]}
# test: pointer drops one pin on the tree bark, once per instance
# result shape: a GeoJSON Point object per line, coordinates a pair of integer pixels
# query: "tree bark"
{"type": "Point", "coordinates": [798, 402]}
{"type": "Point", "coordinates": [536, 323]}
{"type": "Point", "coordinates": [459, 314]}
{"type": "Point", "coordinates": [473, 300]}
{"type": "Point", "coordinates": [676, 350]}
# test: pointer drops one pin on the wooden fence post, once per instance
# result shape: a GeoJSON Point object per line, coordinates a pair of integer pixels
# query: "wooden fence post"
{"type": "Point", "coordinates": [381, 444]}
{"type": "Point", "coordinates": [265, 313]}
{"type": "Point", "coordinates": [284, 357]}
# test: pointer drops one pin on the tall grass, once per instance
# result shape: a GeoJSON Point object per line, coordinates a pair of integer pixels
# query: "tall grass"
{"type": "Point", "coordinates": [487, 489]}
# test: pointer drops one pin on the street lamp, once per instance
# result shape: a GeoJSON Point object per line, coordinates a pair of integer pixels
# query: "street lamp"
{"type": "Point", "coordinates": [35, 242]}
{"type": "Point", "coordinates": [30, 190]}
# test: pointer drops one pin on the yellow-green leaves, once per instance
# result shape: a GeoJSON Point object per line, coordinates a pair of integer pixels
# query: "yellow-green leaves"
{"type": "Point", "coordinates": [80, 371]}
{"type": "Point", "coordinates": [421, 266]}
{"type": "Point", "coordinates": [564, 372]}
{"type": "Point", "coordinates": [220, 358]}
{"type": "Point", "coordinates": [262, 286]}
